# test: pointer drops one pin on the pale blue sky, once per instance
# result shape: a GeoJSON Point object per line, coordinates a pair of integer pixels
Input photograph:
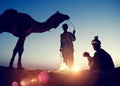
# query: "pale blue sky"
{"type": "Point", "coordinates": [90, 18]}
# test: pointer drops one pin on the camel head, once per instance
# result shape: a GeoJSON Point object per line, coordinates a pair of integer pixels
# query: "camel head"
{"type": "Point", "coordinates": [57, 18]}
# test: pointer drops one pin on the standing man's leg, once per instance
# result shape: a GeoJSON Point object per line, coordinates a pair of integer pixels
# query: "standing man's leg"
{"type": "Point", "coordinates": [71, 60]}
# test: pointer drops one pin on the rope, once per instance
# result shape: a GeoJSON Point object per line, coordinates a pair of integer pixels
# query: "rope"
{"type": "Point", "coordinates": [71, 24]}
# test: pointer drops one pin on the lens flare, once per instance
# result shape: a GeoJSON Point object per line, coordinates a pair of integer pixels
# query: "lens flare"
{"type": "Point", "coordinates": [22, 83]}
{"type": "Point", "coordinates": [34, 80]}
{"type": "Point", "coordinates": [14, 83]}
{"type": "Point", "coordinates": [43, 77]}
{"type": "Point", "coordinates": [29, 81]}
{"type": "Point", "coordinates": [25, 82]}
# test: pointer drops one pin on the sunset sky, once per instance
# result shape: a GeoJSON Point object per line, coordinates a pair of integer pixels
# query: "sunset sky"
{"type": "Point", "coordinates": [89, 17]}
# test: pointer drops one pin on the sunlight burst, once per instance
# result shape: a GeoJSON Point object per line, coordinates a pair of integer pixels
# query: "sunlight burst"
{"type": "Point", "coordinates": [63, 67]}
{"type": "Point", "coordinates": [76, 68]}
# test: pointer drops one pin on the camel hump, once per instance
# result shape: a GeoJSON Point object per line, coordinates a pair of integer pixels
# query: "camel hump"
{"type": "Point", "coordinates": [6, 18]}
{"type": "Point", "coordinates": [10, 11]}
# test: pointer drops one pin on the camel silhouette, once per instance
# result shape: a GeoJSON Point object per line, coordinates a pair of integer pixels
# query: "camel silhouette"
{"type": "Point", "coordinates": [21, 25]}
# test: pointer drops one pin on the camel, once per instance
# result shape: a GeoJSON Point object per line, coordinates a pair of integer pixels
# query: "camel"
{"type": "Point", "coordinates": [21, 25]}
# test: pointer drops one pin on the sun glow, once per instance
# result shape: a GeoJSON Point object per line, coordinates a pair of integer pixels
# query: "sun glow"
{"type": "Point", "coordinates": [76, 68]}
{"type": "Point", "coordinates": [64, 67]}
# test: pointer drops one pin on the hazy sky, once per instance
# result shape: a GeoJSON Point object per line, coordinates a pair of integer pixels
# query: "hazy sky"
{"type": "Point", "coordinates": [90, 18]}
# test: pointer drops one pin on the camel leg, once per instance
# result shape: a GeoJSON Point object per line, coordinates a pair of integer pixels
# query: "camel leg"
{"type": "Point", "coordinates": [19, 64]}
{"type": "Point", "coordinates": [20, 52]}
{"type": "Point", "coordinates": [13, 57]}
{"type": "Point", "coordinates": [19, 48]}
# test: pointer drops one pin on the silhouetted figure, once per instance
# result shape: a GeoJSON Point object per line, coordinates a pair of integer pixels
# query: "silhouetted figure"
{"type": "Point", "coordinates": [101, 59]}
{"type": "Point", "coordinates": [21, 25]}
{"type": "Point", "coordinates": [67, 47]}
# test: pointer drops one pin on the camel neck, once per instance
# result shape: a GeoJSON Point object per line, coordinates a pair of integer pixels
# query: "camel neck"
{"type": "Point", "coordinates": [41, 27]}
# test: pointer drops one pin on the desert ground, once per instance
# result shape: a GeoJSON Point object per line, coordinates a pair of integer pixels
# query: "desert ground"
{"type": "Point", "coordinates": [25, 77]}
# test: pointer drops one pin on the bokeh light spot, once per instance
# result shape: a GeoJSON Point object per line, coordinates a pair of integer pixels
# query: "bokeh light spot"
{"type": "Point", "coordinates": [14, 83]}
{"type": "Point", "coordinates": [43, 77]}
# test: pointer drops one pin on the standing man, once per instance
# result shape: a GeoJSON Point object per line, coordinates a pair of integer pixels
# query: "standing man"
{"type": "Point", "coordinates": [101, 60]}
{"type": "Point", "coordinates": [67, 47]}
